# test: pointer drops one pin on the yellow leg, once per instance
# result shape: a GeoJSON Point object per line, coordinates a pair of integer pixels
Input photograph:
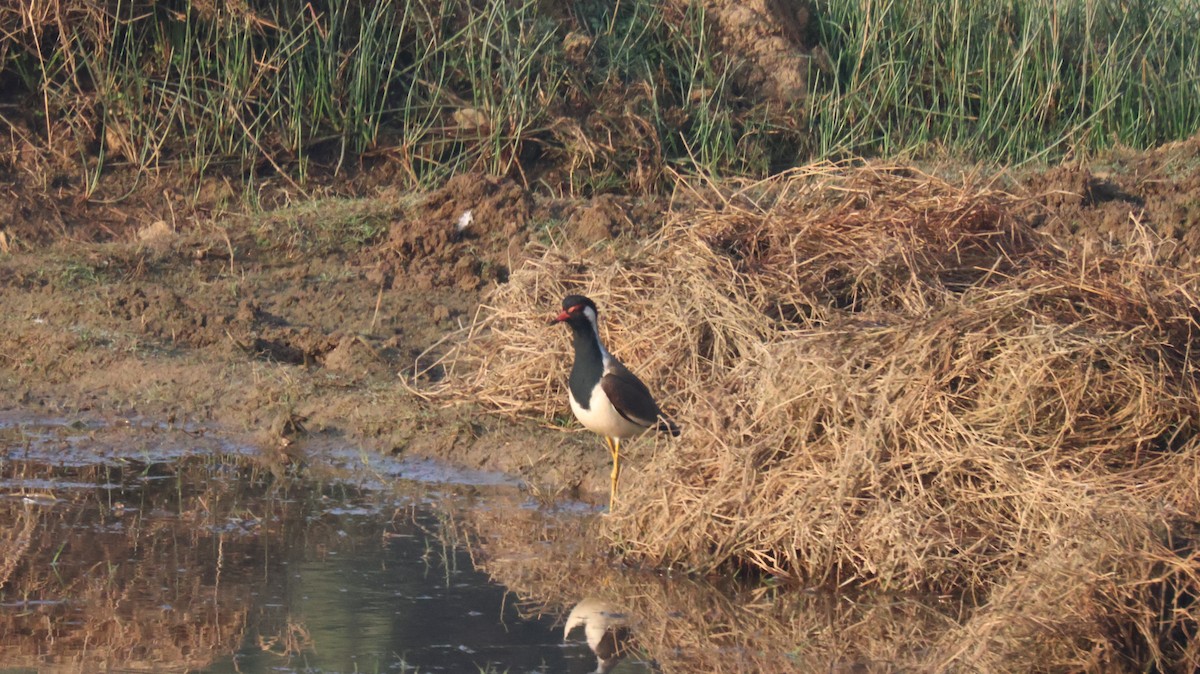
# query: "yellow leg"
{"type": "Point", "coordinates": [614, 447]}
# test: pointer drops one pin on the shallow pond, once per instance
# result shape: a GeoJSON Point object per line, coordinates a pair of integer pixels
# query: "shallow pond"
{"type": "Point", "coordinates": [130, 546]}
{"type": "Point", "coordinates": [135, 547]}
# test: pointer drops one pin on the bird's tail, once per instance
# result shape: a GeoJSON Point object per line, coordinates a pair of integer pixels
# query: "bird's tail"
{"type": "Point", "coordinates": [665, 425]}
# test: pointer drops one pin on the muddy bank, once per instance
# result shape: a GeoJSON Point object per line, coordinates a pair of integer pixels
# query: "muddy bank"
{"type": "Point", "coordinates": [301, 326]}
{"type": "Point", "coordinates": [297, 328]}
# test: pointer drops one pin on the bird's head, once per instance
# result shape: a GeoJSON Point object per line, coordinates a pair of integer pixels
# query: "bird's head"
{"type": "Point", "coordinates": [577, 310]}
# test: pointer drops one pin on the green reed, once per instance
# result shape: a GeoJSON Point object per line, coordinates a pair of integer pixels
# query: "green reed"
{"type": "Point", "coordinates": [443, 86]}
{"type": "Point", "coordinates": [1015, 81]}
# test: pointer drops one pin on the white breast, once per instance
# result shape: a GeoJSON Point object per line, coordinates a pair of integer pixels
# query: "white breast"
{"type": "Point", "coordinates": [601, 417]}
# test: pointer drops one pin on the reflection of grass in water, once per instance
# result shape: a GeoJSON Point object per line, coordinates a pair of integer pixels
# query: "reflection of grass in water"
{"type": "Point", "coordinates": [180, 567]}
{"type": "Point", "coordinates": [98, 585]}
{"type": "Point", "coordinates": [293, 640]}
{"type": "Point", "coordinates": [443, 537]}
{"type": "Point", "coordinates": [96, 565]}
{"type": "Point", "coordinates": [685, 624]}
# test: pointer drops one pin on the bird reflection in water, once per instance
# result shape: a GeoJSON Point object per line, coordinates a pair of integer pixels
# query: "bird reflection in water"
{"type": "Point", "coordinates": [606, 628]}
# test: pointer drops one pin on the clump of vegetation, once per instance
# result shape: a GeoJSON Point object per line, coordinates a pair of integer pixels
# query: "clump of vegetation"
{"type": "Point", "coordinates": [894, 382]}
{"type": "Point", "coordinates": [592, 98]}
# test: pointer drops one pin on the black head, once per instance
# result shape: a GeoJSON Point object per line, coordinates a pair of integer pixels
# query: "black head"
{"type": "Point", "coordinates": [573, 310]}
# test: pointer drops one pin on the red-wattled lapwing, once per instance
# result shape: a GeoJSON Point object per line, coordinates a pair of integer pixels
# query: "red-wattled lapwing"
{"type": "Point", "coordinates": [606, 628]}
{"type": "Point", "coordinates": [605, 396]}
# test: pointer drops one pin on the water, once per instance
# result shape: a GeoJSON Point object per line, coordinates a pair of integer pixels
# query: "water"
{"type": "Point", "coordinates": [136, 547]}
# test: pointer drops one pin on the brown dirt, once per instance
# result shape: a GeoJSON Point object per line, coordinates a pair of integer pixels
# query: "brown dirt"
{"type": "Point", "coordinates": [464, 235]}
{"type": "Point", "coordinates": [295, 327]}
{"type": "Point", "coordinates": [1111, 199]}
{"type": "Point", "coordinates": [773, 38]}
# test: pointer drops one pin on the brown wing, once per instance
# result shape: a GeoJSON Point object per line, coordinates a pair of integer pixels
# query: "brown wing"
{"type": "Point", "coordinates": [633, 401]}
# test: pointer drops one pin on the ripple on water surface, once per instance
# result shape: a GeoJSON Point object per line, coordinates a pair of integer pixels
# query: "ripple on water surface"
{"type": "Point", "coordinates": [135, 546]}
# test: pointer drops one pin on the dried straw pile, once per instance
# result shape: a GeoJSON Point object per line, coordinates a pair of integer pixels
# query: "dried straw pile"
{"type": "Point", "coordinates": [887, 378]}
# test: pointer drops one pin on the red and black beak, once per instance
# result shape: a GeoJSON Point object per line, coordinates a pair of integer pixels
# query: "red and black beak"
{"type": "Point", "coordinates": [562, 316]}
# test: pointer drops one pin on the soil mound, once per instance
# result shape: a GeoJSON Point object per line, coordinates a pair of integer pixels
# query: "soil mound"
{"type": "Point", "coordinates": [464, 234]}
{"type": "Point", "coordinates": [1101, 201]}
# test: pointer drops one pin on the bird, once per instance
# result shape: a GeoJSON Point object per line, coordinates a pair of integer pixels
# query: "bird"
{"type": "Point", "coordinates": [606, 629]}
{"type": "Point", "coordinates": [605, 396]}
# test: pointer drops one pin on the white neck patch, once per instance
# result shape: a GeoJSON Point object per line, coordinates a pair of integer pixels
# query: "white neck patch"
{"type": "Point", "coordinates": [594, 320]}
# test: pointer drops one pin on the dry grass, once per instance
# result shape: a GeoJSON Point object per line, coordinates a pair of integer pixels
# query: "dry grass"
{"type": "Point", "coordinates": [891, 380]}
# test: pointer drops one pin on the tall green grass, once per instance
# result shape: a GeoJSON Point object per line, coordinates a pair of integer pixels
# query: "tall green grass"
{"type": "Point", "coordinates": [439, 86]}
{"type": "Point", "coordinates": [273, 85]}
{"type": "Point", "coordinates": [1013, 80]}
{"type": "Point", "coordinates": [443, 86]}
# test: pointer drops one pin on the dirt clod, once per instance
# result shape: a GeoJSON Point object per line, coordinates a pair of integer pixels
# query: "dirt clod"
{"type": "Point", "coordinates": [597, 221]}
{"type": "Point", "coordinates": [459, 235]}
{"type": "Point", "coordinates": [352, 355]}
